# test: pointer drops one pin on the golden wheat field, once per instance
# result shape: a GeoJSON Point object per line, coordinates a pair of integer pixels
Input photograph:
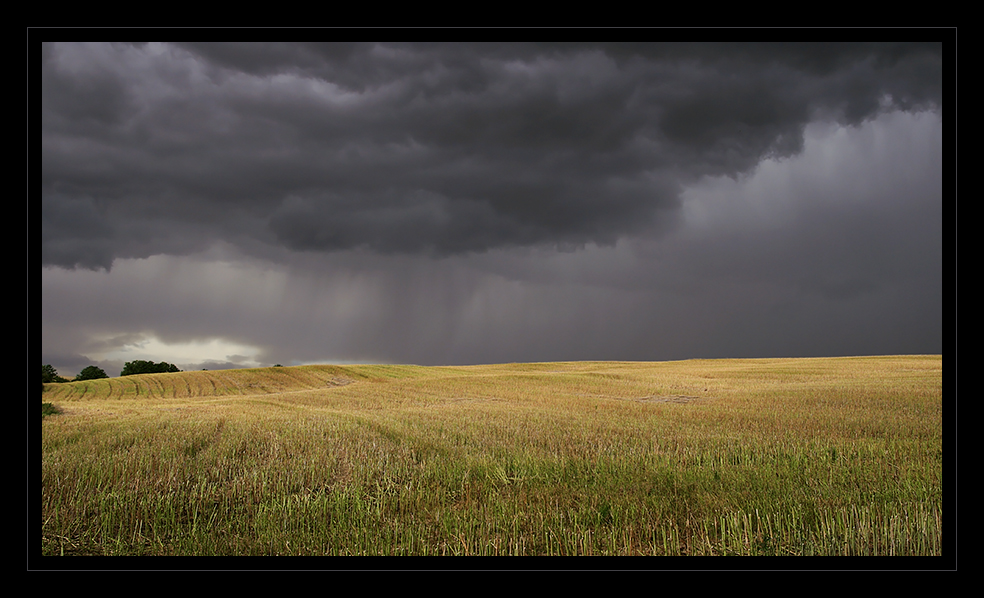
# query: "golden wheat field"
{"type": "Point", "coordinates": [779, 457]}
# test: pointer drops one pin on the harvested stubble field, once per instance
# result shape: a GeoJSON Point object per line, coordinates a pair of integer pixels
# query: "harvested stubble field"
{"type": "Point", "coordinates": [837, 456]}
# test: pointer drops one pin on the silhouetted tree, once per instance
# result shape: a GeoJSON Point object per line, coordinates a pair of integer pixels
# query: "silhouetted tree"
{"type": "Point", "coordinates": [147, 367]}
{"type": "Point", "coordinates": [49, 374]}
{"type": "Point", "coordinates": [91, 373]}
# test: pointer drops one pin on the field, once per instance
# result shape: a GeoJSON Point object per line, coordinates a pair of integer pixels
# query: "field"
{"type": "Point", "coordinates": [836, 456]}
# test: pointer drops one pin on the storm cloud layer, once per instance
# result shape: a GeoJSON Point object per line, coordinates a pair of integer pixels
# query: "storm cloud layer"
{"type": "Point", "coordinates": [422, 149]}
{"type": "Point", "coordinates": [439, 203]}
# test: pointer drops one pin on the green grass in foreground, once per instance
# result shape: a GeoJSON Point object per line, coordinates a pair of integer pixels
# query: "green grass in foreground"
{"type": "Point", "coordinates": [711, 457]}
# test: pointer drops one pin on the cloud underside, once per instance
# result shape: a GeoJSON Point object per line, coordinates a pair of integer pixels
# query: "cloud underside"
{"type": "Point", "coordinates": [431, 150]}
{"type": "Point", "coordinates": [835, 251]}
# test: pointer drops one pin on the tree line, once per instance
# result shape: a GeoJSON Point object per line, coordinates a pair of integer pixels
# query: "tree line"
{"type": "Point", "coordinates": [49, 374]}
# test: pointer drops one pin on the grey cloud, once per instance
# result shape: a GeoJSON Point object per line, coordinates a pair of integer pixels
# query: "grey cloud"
{"type": "Point", "coordinates": [835, 250]}
{"type": "Point", "coordinates": [436, 149]}
{"type": "Point", "coordinates": [84, 94]}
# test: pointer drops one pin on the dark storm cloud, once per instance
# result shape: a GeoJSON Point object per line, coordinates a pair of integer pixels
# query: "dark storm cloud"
{"type": "Point", "coordinates": [433, 149]}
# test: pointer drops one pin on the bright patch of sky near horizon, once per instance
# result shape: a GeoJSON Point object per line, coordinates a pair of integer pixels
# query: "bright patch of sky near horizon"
{"type": "Point", "coordinates": [200, 351]}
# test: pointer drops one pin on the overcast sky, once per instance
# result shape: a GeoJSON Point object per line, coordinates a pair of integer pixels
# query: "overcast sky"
{"type": "Point", "coordinates": [235, 205]}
